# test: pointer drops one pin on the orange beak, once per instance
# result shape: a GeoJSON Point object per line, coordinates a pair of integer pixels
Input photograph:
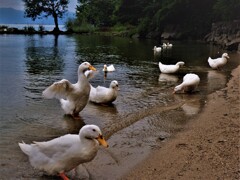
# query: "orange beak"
{"type": "Point", "coordinates": [102, 141]}
{"type": "Point", "coordinates": [92, 68]}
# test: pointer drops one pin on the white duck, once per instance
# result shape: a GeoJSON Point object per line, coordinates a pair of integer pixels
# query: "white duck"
{"type": "Point", "coordinates": [90, 74]}
{"type": "Point", "coordinates": [189, 84]}
{"type": "Point", "coordinates": [169, 45]}
{"type": "Point", "coordinates": [73, 97]}
{"type": "Point", "coordinates": [65, 153]}
{"type": "Point", "coordinates": [109, 68]}
{"type": "Point", "coordinates": [164, 45]}
{"type": "Point", "coordinates": [157, 49]}
{"type": "Point", "coordinates": [103, 95]}
{"type": "Point", "coordinates": [168, 69]}
{"type": "Point", "coordinates": [218, 62]}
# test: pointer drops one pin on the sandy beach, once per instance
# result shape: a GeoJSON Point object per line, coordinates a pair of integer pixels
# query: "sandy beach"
{"type": "Point", "coordinates": [208, 148]}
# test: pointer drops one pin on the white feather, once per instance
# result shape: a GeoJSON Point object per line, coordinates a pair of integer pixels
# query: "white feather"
{"type": "Point", "coordinates": [189, 84]}
{"type": "Point", "coordinates": [73, 97]}
{"type": "Point", "coordinates": [168, 69]}
{"type": "Point", "coordinates": [109, 68]}
{"type": "Point", "coordinates": [64, 153]}
{"type": "Point", "coordinates": [104, 95]}
{"type": "Point", "coordinates": [218, 62]}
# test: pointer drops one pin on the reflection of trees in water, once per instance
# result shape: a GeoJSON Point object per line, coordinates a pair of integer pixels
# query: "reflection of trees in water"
{"type": "Point", "coordinates": [44, 59]}
{"type": "Point", "coordinates": [41, 61]}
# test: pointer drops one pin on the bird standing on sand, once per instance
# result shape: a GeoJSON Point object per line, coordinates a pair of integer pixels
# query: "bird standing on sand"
{"type": "Point", "coordinates": [62, 154]}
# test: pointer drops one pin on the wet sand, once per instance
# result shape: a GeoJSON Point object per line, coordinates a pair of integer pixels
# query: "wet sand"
{"type": "Point", "coordinates": [207, 148]}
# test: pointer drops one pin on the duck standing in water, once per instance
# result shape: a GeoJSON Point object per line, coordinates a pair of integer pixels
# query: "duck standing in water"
{"type": "Point", "coordinates": [218, 62]}
{"type": "Point", "coordinates": [62, 154]}
{"type": "Point", "coordinates": [73, 97]}
{"type": "Point", "coordinates": [189, 84]}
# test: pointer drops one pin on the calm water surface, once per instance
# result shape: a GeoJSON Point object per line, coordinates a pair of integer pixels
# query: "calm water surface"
{"type": "Point", "coordinates": [144, 111]}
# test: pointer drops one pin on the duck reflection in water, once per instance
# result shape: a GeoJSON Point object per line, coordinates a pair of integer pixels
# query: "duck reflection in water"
{"type": "Point", "coordinates": [192, 104]}
{"type": "Point", "coordinates": [72, 125]}
{"type": "Point", "coordinates": [167, 77]}
{"type": "Point", "coordinates": [216, 80]}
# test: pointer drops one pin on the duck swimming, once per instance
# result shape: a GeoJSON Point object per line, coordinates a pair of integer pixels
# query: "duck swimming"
{"type": "Point", "coordinates": [171, 68]}
{"type": "Point", "coordinates": [104, 95]}
{"type": "Point", "coordinates": [109, 68]}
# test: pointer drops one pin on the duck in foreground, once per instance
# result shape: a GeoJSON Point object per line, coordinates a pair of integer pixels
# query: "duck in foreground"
{"type": "Point", "coordinates": [104, 95]}
{"type": "Point", "coordinates": [189, 84]}
{"type": "Point", "coordinates": [62, 154]}
{"type": "Point", "coordinates": [109, 68]}
{"type": "Point", "coordinates": [218, 62]}
{"type": "Point", "coordinates": [73, 97]}
{"type": "Point", "coordinates": [171, 68]}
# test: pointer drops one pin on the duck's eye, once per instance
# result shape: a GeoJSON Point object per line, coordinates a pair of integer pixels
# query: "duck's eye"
{"type": "Point", "coordinates": [94, 130]}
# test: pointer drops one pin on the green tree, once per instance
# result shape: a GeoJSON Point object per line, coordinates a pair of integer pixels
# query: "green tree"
{"type": "Point", "coordinates": [54, 8]}
{"type": "Point", "coordinates": [99, 13]}
{"type": "Point", "coordinates": [226, 10]}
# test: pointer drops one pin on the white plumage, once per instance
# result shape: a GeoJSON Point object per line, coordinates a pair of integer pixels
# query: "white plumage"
{"type": "Point", "coordinates": [90, 74]}
{"type": "Point", "coordinates": [157, 49]}
{"type": "Point", "coordinates": [169, 45]}
{"type": "Point", "coordinates": [104, 95]}
{"type": "Point", "coordinates": [218, 62]}
{"type": "Point", "coordinates": [172, 68]}
{"type": "Point", "coordinates": [164, 45]}
{"type": "Point", "coordinates": [189, 84]}
{"type": "Point", "coordinates": [73, 97]}
{"type": "Point", "coordinates": [109, 68]}
{"type": "Point", "coordinates": [65, 153]}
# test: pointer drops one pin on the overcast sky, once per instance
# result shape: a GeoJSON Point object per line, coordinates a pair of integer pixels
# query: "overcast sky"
{"type": "Point", "coordinates": [19, 5]}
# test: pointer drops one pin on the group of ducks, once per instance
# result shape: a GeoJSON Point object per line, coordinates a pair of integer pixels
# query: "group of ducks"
{"type": "Point", "coordinates": [191, 80]}
{"type": "Point", "coordinates": [65, 153]}
{"type": "Point", "coordinates": [164, 46]}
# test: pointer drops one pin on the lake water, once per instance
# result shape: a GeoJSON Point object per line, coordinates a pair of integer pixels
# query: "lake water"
{"type": "Point", "coordinates": [145, 110]}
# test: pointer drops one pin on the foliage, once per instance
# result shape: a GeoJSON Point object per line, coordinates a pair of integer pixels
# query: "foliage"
{"type": "Point", "coordinates": [227, 10]}
{"type": "Point", "coordinates": [54, 8]}
{"type": "Point", "coordinates": [41, 28]}
{"type": "Point", "coordinates": [83, 27]}
{"type": "Point", "coordinates": [29, 29]}
{"type": "Point", "coordinates": [193, 18]}
{"type": "Point", "coordinates": [98, 13]}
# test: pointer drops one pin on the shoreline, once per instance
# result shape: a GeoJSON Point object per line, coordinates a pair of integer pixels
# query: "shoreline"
{"type": "Point", "coordinates": [207, 148]}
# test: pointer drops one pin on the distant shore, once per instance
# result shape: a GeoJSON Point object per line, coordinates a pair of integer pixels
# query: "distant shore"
{"type": "Point", "coordinates": [31, 29]}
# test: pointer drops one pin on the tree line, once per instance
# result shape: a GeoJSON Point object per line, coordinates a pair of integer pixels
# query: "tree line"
{"type": "Point", "coordinates": [193, 18]}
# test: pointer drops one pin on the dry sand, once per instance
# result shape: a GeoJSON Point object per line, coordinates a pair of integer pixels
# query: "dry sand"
{"type": "Point", "coordinates": [208, 148]}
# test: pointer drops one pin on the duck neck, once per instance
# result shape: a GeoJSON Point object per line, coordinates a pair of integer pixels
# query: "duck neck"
{"type": "Point", "coordinates": [81, 76]}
